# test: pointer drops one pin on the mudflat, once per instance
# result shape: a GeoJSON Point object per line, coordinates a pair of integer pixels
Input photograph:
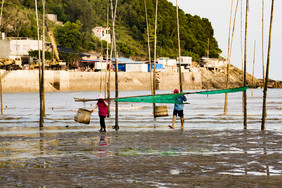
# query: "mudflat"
{"type": "Point", "coordinates": [172, 158]}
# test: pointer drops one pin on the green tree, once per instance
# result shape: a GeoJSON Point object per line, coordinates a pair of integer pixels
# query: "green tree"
{"type": "Point", "coordinates": [70, 35]}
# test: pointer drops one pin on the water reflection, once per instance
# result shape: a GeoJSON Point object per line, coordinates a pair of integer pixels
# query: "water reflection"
{"type": "Point", "coordinates": [231, 152]}
{"type": "Point", "coordinates": [103, 151]}
{"type": "Point", "coordinates": [265, 151]}
{"type": "Point", "coordinates": [42, 145]}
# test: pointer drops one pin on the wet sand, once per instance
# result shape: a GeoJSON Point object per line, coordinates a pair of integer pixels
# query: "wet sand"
{"type": "Point", "coordinates": [189, 158]}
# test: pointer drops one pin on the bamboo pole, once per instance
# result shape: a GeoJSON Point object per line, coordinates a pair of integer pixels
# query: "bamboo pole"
{"type": "Point", "coordinates": [116, 69]}
{"type": "Point", "coordinates": [1, 86]}
{"type": "Point", "coordinates": [110, 63]}
{"type": "Point", "coordinates": [227, 73]}
{"type": "Point", "coordinates": [242, 53]}
{"type": "Point", "coordinates": [230, 44]}
{"type": "Point", "coordinates": [155, 58]}
{"type": "Point", "coordinates": [107, 56]}
{"type": "Point", "coordinates": [43, 55]}
{"type": "Point", "coordinates": [1, 93]}
{"type": "Point", "coordinates": [149, 49]}
{"type": "Point", "coordinates": [245, 66]}
{"type": "Point", "coordinates": [149, 55]}
{"type": "Point", "coordinates": [254, 60]}
{"type": "Point", "coordinates": [40, 70]}
{"type": "Point", "coordinates": [262, 40]}
{"type": "Point", "coordinates": [208, 55]}
{"type": "Point", "coordinates": [179, 49]}
{"type": "Point", "coordinates": [2, 6]}
{"type": "Point", "coordinates": [267, 70]}
{"type": "Point", "coordinates": [38, 38]}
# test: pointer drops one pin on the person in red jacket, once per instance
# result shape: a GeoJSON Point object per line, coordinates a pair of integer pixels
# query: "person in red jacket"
{"type": "Point", "coordinates": [102, 105]}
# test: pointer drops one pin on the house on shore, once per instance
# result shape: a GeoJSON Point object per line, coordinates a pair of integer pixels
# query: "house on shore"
{"type": "Point", "coordinates": [18, 47]}
{"type": "Point", "coordinates": [102, 33]}
{"type": "Point", "coordinates": [215, 64]}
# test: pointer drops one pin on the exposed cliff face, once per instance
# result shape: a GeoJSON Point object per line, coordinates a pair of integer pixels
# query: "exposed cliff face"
{"type": "Point", "coordinates": [217, 80]}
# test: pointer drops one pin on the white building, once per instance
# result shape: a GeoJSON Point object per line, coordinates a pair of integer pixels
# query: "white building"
{"type": "Point", "coordinates": [167, 62]}
{"type": "Point", "coordinates": [213, 63]}
{"type": "Point", "coordinates": [102, 33]}
{"type": "Point", "coordinates": [136, 67]}
{"type": "Point", "coordinates": [18, 47]}
{"type": "Point", "coordinates": [186, 63]}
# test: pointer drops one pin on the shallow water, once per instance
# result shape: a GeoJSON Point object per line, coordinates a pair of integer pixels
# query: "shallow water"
{"type": "Point", "coordinates": [21, 112]}
{"type": "Point", "coordinates": [211, 144]}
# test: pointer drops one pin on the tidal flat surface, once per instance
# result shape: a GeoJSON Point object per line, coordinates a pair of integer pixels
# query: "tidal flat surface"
{"type": "Point", "coordinates": [213, 150]}
{"type": "Point", "coordinates": [196, 158]}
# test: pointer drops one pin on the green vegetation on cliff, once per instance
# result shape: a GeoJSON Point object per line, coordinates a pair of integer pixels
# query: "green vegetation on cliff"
{"type": "Point", "coordinates": [80, 16]}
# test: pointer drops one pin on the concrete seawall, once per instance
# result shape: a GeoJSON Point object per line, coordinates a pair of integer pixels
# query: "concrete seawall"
{"type": "Point", "coordinates": [27, 81]}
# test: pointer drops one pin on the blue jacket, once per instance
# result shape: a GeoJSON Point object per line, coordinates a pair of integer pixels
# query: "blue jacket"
{"type": "Point", "coordinates": [180, 106]}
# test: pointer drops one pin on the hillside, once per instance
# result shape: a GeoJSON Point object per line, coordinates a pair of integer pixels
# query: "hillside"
{"type": "Point", "coordinates": [80, 16]}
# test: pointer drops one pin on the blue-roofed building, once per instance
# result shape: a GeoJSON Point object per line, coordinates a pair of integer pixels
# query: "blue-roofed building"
{"type": "Point", "coordinates": [124, 65]}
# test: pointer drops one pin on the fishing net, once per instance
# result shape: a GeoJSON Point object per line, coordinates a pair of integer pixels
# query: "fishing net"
{"type": "Point", "coordinates": [172, 98]}
{"type": "Point", "coordinates": [232, 90]}
{"type": "Point", "coordinates": [164, 98]}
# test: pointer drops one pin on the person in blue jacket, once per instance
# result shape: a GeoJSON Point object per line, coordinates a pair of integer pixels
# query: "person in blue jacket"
{"type": "Point", "coordinates": [178, 110]}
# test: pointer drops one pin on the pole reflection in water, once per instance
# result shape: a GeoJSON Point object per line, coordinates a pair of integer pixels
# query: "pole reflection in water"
{"type": "Point", "coordinates": [245, 150]}
{"type": "Point", "coordinates": [265, 152]}
{"type": "Point", "coordinates": [42, 144]}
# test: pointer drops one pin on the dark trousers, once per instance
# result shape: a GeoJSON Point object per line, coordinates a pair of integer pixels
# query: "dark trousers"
{"type": "Point", "coordinates": [102, 122]}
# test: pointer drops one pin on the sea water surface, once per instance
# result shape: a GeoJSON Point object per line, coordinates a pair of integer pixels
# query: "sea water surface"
{"type": "Point", "coordinates": [21, 112]}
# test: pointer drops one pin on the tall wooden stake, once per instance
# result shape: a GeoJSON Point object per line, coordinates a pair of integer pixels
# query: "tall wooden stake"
{"type": "Point", "coordinates": [107, 56]}
{"type": "Point", "coordinates": [116, 68]}
{"type": "Point", "coordinates": [227, 71]}
{"type": "Point", "coordinates": [179, 49]}
{"type": "Point", "coordinates": [230, 43]}
{"type": "Point", "coordinates": [38, 40]}
{"type": "Point", "coordinates": [254, 60]}
{"type": "Point", "coordinates": [110, 63]}
{"type": "Point", "coordinates": [149, 49]}
{"type": "Point", "coordinates": [43, 55]}
{"type": "Point", "coordinates": [149, 55]}
{"type": "Point", "coordinates": [242, 53]}
{"type": "Point", "coordinates": [1, 89]}
{"type": "Point", "coordinates": [267, 70]}
{"type": "Point", "coordinates": [262, 40]}
{"type": "Point", "coordinates": [39, 72]}
{"type": "Point", "coordinates": [2, 6]}
{"type": "Point", "coordinates": [155, 58]}
{"type": "Point", "coordinates": [1, 93]}
{"type": "Point", "coordinates": [245, 66]}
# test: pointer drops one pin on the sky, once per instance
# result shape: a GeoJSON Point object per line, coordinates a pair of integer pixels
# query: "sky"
{"type": "Point", "coordinates": [218, 13]}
